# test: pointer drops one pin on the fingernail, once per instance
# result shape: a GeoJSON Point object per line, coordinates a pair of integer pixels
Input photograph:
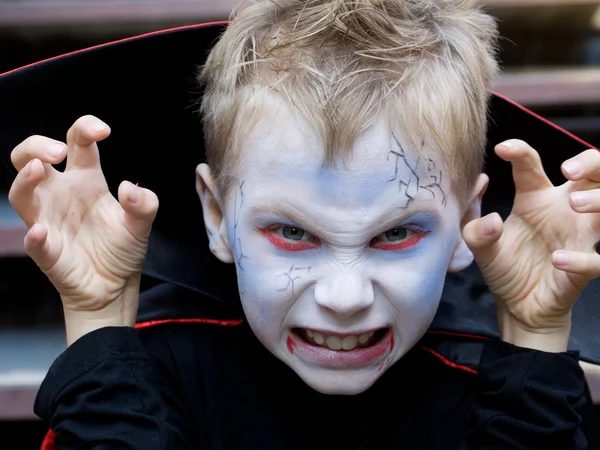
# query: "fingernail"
{"type": "Point", "coordinates": [572, 167]}
{"type": "Point", "coordinates": [56, 149]}
{"type": "Point", "coordinates": [27, 170]}
{"type": "Point", "coordinates": [133, 193]}
{"type": "Point", "coordinates": [581, 198]}
{"type": "Point", "coordinates": [99, 126]}
{"type": "Point", "coordinates": [507, 144]}
{"type": "Point", "coordinates": [561, 259]}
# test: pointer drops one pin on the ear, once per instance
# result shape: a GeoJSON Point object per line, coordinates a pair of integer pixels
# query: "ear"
{"type": "Point", "coordinates": [462, 256]}
{"type": "Point", "coordinates": [213, 212]}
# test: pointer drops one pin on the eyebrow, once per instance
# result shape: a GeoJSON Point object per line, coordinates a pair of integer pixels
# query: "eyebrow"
{"type": "Point", "coordinates": [382, 223]}
{"type": "Point", "coordinates": [280, 211]}
{"type": "Point", "coordinates": [424, 213]}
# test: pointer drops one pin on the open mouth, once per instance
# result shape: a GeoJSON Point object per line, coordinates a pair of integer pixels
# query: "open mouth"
{"type": "Point", "coordinates": [342, 351]}
{"type": "Point", "coordinates": [341, 342]}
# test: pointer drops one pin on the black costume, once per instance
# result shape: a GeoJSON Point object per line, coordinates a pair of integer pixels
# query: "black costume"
{"type": "Point", "coordinates": [208, 383]}
{"type": "Point", "coordinates": [194, 376]}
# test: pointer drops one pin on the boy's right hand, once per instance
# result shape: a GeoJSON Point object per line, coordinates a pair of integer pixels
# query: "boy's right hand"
{"type": "Point", "coordinates": [89, 245]}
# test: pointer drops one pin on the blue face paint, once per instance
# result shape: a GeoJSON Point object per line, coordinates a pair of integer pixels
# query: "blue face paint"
{"type": "Point", "coordinates": [321, 290]}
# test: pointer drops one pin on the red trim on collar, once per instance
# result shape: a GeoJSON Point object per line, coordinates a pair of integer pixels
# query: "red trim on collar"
{"type": "Point", "coordinates": [237, 322]}
{"type": "Point", "coordinates": [553, 125]}
{"type": "Point", "coordinates": [48, 442]}
{"type": "Point", "coordinates": [106, 44]}
{"type": "Point", "coordinates": [226, 22]}
{"type": "Point", "coordinates": [465, 335]}
{"type": "Point", "coordinates": [448, 362]}
{"type": "Point", "coordinates": [223, 323]}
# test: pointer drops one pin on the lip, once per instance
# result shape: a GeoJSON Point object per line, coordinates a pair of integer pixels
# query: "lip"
{"type": "Point", "coordinates": [359, 357]}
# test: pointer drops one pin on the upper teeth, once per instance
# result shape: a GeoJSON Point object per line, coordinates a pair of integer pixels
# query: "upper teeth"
{"type": "Point", "coordinates": [348, 342]}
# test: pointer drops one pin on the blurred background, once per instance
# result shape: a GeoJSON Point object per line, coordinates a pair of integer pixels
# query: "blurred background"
{"type": "Point", "coordinates": [550, 53]}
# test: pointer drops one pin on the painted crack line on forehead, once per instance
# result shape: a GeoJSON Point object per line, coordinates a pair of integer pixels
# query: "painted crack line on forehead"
{"type": "Point", "coordinates": [432, 182]}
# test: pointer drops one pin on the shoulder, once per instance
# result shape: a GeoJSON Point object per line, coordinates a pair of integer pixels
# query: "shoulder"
{"type": "Point", "coordinates": [166, 304]}
{"type": "Point", "coordinates": [456, 351]}
{"type": "Point", "coordinates": [182, 327]}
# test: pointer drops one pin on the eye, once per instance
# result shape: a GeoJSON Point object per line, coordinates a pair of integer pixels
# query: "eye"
{"type": "Point", "coordinates": [398, 238]}
{"type": "Point", "coordinates": [396, 234]}
{"type": "Point", "coordinates": [293, 233]}
{"type": "Point", "coordinates": [290, 238]}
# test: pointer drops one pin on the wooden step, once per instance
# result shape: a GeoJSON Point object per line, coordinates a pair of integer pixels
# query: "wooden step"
{"type": "Point", "coordinates": [543, 16]}
{"type": "Point", "coordinates": [44, 12]}
{"type": "Point", "coordinates": [12, 230]}
{"type": "Point", "coordinates": [25, 356]}
{"type": "Point", "coordinates": [48, 12]}
{"type": "Point", "coordinates": [551, 86]}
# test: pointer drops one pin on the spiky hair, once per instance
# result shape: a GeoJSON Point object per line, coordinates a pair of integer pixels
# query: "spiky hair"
{"type": "Point", "coordinates": [425, 65]}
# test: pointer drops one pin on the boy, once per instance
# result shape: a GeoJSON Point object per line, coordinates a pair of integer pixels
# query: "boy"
{"type": "Point", "coordinates": [344, 142]}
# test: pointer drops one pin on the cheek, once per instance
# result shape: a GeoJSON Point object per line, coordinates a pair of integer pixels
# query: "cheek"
{"type": "Point", "coordinates": [262, 300]}
{"type": "Point", "coordinates": [414, 287]}
{"type": "Point", "coordinates": [416, 291]}
{"type": "Point", "coordinates": [269, 284]}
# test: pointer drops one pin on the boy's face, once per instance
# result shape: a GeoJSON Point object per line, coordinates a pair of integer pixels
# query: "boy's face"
{"type": "Point", "coordinates": [340, 270]}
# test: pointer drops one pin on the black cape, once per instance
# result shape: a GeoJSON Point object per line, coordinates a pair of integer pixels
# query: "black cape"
{"type": "Point", "coordinates": [144, 87]}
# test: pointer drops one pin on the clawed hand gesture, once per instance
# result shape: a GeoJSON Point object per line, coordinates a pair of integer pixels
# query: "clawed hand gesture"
{"type": "Point", "coordinates": [538, 261]}
{"type": "Point", "coordinates": [89, 244]}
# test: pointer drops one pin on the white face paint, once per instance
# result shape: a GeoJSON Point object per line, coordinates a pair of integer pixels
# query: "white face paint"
{"type": "Point", "coordinates": [340, 270]}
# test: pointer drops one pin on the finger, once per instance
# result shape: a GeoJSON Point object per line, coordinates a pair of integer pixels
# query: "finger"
{"type": "Point", "coordinates": [585, 166]}
{"type": "Point", "coordinates": [585, 201]}
{"type": "Point", "coordinates": [36, 246]}
{"type": "Point", "coordinates": [38, 147]}
{"type": "Point", "coordinates": [140, 206]}
{"type": "Point", "coordinates": [482, 236]}
{"type": "Point", "coordinates": [81, 140]}
{"type": "Point", "coordinates": [22, 196]}
{"type": "Point", "coordinates": [528, 172]}
{"type": "Point", "coordinates": [585, 264]}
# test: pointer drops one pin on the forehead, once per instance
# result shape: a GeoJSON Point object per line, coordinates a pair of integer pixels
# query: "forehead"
{"type": "Point", "coordinates": [289, 150]}
{"type": "Point", "coordinates": [283, 151]}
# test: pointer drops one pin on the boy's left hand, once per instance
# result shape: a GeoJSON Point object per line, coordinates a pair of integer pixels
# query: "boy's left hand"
{"type": "Point", "coordinates": [539, 260]}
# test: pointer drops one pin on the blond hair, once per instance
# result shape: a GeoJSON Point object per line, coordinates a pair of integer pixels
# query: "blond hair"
{"type": "Point", "coordinates": [426, 64]}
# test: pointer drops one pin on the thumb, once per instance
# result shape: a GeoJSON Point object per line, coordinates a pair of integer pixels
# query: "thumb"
{"type": "Point", "coordinates": [140, 206]}
{"type": "Point", "coordinates": [482, 236]}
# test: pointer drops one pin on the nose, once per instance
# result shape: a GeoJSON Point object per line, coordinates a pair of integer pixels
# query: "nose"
{"type": "Point", "coordinates": [345, 294]}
